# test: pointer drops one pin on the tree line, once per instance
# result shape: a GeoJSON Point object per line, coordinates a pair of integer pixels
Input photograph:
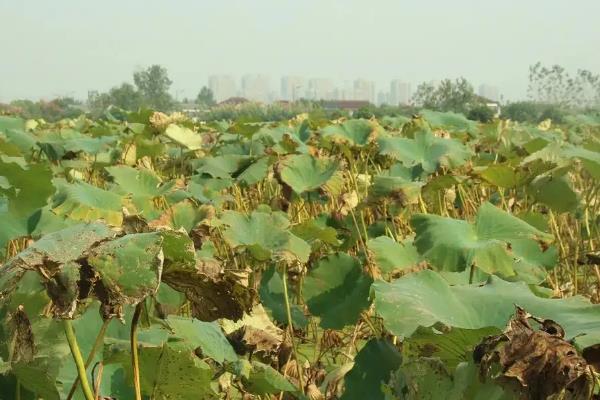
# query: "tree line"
{"type": "Point", "coordinates": [553, 93]}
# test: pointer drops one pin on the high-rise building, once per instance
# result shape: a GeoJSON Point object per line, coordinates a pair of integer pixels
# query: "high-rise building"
{"type": "Point", "coordinates": [344, 92]}
{"type": "Point", "coordinates": [400, 92]}
{"type": "Point", "coordinates": [364, 90]}
{"type": "Point", "coordinates": [256, 87]}
{"type": "Point", "coordinates": [489, 92]}
{"type": "Point", "coordinates": [292, 88]}
{"type": "Point", "coordinates": [222, 87]}
{"type": "Point", "coordinates": [320, 89]}
{"type": "Point", "coordinates": [383, 98]}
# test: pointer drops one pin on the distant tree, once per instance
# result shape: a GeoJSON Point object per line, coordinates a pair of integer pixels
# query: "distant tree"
{"type": "Point", "coordinates": [126, 97]}
{"type": "Point", "coordinates": [153, 84]}
{"type": "Point", "coordinates": [457, 96]}
{"type": "Point", "coordinates": [205, 98]}
{"type": "Point", "coordinates": [366, 112]}
{"type": "Point", "coordinates": [426, 95]}
{"type": "Point", "coordinates": [481, 113]}
{"type": "Point", "coordinates": [521, 111]}
{"type": "Point", "coordinates": [53, 110]}
{"type": "Point", "coordinates": [534, 112]}
{"type": "Point", "coordinates": [554, 85]}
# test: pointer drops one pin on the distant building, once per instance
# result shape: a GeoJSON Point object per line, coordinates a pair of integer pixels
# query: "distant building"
{"type": "Point", "coordinates": [346, 92]}
{"type": "Point", "coordinates": [291, 88]}
{"type": "Point", "coordinates": [489, 92]}
{"type": "Point", "coordinates": [364, 90]}
{"type": "Point", "coordinates": [400, 92]}
{"type": "Point", "coordinates": [222, 87]}
{"type": "Point", "coordinates": [383, 98]}
{"type": "Point", "coordinates": [256, 87]}
{"type": "Point", "coordinates": [320, 89]}
{"type": "Point", "coordinates": [233, 101]}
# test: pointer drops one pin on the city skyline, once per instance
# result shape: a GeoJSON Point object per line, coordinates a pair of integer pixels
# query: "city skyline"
{"type": "Point", "coordinates": [262, 88]}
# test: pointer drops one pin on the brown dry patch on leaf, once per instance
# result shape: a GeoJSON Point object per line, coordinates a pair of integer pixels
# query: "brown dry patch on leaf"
{"type": "Point", "coordinates": [22, 344]}
{"type": "Point", "coordinates": [535, 362]}
{"type": "Point", "coordinates": [213, 292]}
{"type": "Point", "coordinates": [256, 334]}
{"type": "Point", "coordinates": [134, 224]}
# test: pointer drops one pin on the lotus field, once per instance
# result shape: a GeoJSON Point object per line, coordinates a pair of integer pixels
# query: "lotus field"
{"type": "Point", "coordinates": [150, 256]}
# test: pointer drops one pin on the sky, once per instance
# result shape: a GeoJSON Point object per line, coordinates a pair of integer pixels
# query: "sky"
{"type": "Point", "coordinates": [67, 47]}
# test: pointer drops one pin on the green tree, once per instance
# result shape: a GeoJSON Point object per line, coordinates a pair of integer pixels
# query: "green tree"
{"type": "Point", "coordinates": [205, 97]}
{"type": "Point", "coordinates": [426, 95]}
{"type": "Point", "coordinates": [555, 85]}
{"type": "Point", "coordinates": [481, 113]}
{"type": "Point", "coordinates": [457, 96]}
{"type": "Point", "coordinates": [153, 84]}
{"type": "Point", "coordinates": [125, 97]}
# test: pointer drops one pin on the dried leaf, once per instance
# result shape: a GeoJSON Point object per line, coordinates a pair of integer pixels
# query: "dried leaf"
{"type": "Point", "coordinates": [537, 363]}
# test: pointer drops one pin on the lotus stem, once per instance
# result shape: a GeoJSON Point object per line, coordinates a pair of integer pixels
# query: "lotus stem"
{"type": "Point", "coordinates": [72, 339]}
{"type": "Point", "coordinates": [288, 311]}
{"type": "Point", "coordinates": [134, 351]}
{"type": "Point", "coordinates": [99, 340]}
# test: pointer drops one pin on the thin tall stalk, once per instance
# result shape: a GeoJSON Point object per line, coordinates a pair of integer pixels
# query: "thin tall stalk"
{"type": "Point", "coordinates": [72, 339]}
{"type": "Point", "coordinates": [97, 343]}
{"type": "Point", "coordinates": [291, 327]}
{"type": "Point", "coordinates": [134, 351]}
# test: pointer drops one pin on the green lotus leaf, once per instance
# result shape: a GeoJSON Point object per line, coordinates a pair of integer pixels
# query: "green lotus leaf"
{"type": "Point", "coordinates": [454, 245]}
{"type": "Point", "coordinates": [304, 172]}
{"type": "Point", "coordinates": [425, 149]}
{"type": "Point", "coordinates": [449, 120]}
{"type": "Point", "coordinates": [555, 192]}
{"type": "Point", "coordinates": [272, 296]}
{"type": "Point", "coordinates": [285, 139]}
{"type": "Point", "coordinates": [316, 230]}
{"type": "Point", "coordinates": [263, 379]}
{"type": "Point", "coordinates": [390, 255]}
{"type": "Point", "coordinates": [57, 144]}
{"type": "Point", "coordinates": [264, 234]}
{"type": "Point", "coordinates": [225, 166]}
{"type": "Point", "coordinates": [373, 366]}
{"type": "Point", "coordinates": [452, 346]}
{"type": "Point", "coordinates": [22, 141]}
{"type": "Point", "coordinates": [500, 175]}
{"type": "Point", "coordinates": [209, 190]}
{"type": "Point", "coordinates": [61, 247]}
{"type": "Point", "coordinates": [84, 202]}
{"type": "Point", "coordinates": [356, 132]}
{"type": "Point", "coordinates": [428, 378]}
{"type": "Point", "coordinates": [256, 172]}
{"type": "Point", "coordinates": [174, 371]}
{"type": "Point", "coordinates": [128, 268]}
{"type": "Point", "coordinates": [178, 252]}
{"type": "Point", "coordinates": [337, 290]}
{"type": "Point", "coordinates": [204, 335]}
{"type": "Point", "coordinates": [30, 186]}
{"type": "Point", "coordinates": [184, 137]}
{"type": "Point", "coordinates": [7, 122]}
{"type": "Point", "coordinates": [139, 182]}
{"type": "Point", "coordinates": [425, 298]}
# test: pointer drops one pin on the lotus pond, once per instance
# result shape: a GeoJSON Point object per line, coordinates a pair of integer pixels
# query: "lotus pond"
{"type": "Point", "coordinates": [150, 256]}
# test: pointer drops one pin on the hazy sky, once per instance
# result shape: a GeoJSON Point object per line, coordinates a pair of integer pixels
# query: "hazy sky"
{"type": "Point", "coordinates": [50, 48]}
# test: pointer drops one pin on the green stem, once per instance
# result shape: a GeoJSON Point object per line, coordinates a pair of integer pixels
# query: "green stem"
{"type": "Point", "coordinates": [18, 391]}
{"type": "Point", "coordinates": [134, 351]}
{"type": "Point", "coordinates": [97, 343]}
{"type": "Point", "coordinates": [72, 339]}
{"type": "Point", "coordinates": [291, 327]}
{"type": "Point", "coordinates": [471, 274]}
